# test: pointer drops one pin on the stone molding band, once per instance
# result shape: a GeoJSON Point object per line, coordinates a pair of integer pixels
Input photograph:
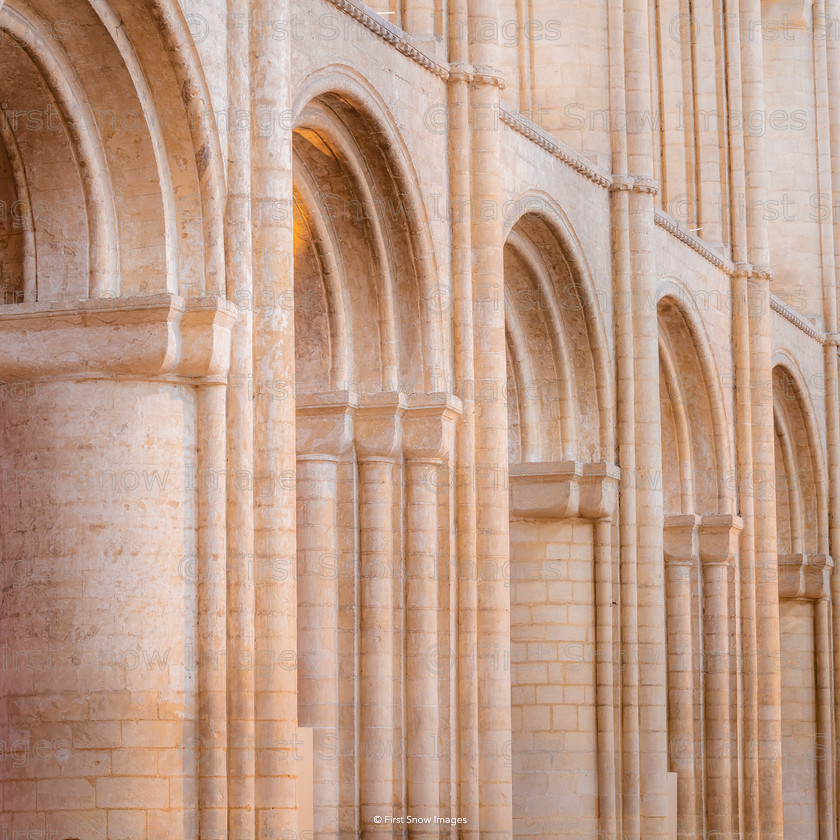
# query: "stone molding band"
{"type": "Point", "coordinates": [805, 576]}
{"type": "Point", "coordinates": [154, 336]}
{"type": "Point", "coordinates": [564, 490]}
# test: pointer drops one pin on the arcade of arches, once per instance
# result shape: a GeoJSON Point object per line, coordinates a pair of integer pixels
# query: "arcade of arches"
{"type": "Point", "coordinates": [419, 420]}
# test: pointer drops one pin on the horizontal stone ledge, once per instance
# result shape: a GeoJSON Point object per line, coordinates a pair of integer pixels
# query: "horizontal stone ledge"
{"type": "Point", "coordinates": [563, 490]}
{"type": "Point", "coordinates": [152, 336]}
{"type": "Point", "coordinates": [805, 576]}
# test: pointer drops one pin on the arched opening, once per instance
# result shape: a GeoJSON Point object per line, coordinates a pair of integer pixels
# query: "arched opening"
{"type": "Point", "coordinates": [104, 447]}
{"type": "Point", "coordinates": [373, 575]}
{"type": "Point", "coordinates": [804, 573]}
{"type": "Point", "coordinates": [559, 449]}
{"type": "Point", "coordinates": [109, 186]}
{"type": "Point", "coordinates": [700, 545]}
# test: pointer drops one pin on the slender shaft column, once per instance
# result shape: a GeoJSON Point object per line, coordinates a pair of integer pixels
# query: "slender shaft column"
{"type": "Point", "coordinates": [491, 444]}
{"type": "Point", "coordinates": [825, 714]}
{"type": "Point", "coordinates": [428, 437]}
{"type": "Point", "coordinates": [459, 149]}
{"type": "Point", "coordinates": [598, 498]}
{"type": "Point", "coordinates": [240, 442]}
{"type": "Point", "coordinates": [769, 727]}
{"type": "Point", "coordinates": [421, 688]}
{"type": "Point", "coordinates": [707, 117]}
{"type": "Point", "coordinates": [719, 535]}
{"type": "Point", "coordinates": [831, 19]}
{"type": "Point", "coordinates": [681, 552]}
{"type": "Point", "coordinates": [324, 433]}
{"type": "Point", "coordinates": [747, 676]}
{"type": "Point", "coordinates": [653, 702]}
{"type": "Point", "coordinates": [212, 608]}
{"type": "Point", "coordinates": [629, 788]}
{"type": "Point", "coordinates": [378, 437]}
{"type": "Point", "coordinates": [317, 622]}
{"type": "Point", "coordinates": [274, 426]}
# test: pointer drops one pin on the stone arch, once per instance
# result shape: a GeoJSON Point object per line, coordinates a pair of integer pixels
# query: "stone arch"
{"type": "Point", "coordinates": [562, 483]}
{"type": "Point", "coordinates": [804, 573]}
{"type": "Point", "coordinates": [801, 486]}
{"type": "Point", "coordinates": [551, 299]}
{"type": "Point", "coordinates": [371, 361]}
{"type": "Point", "coordinates": [115, 176]}
{"type": "Point", "coordinates": [699, 546]}
{"type": "Point", "coordinates": [373, 185]}
{"type": "Point", "coordinates": [694, 417]}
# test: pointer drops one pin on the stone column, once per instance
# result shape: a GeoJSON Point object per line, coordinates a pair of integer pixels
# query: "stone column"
{"type": "Point", "coordinates": [598, 500]}
{"type": "Point", "coordinates": [719, 535]}
{"type": "Point", "coordinates": [100, 520]}
{"type": "Point", "coordinates": [428, 435]}
{"type": "Point", "coordinates": [831, 19]}
{"type": "Point", "coordinates": [491, 443]}
{"type": "Point", "coordinates": [817, 582]}
{"type": "Point", "coordinates": [746, 676]}
{"type": "Point", "coordinates": [681, 552]}
{"type": "Point", "coordinates": [630, 805]}
{"type": "Point", "coordinates": [378, 433]}
{"type": "Point", "coordinates": [769, 725]}
{"type": "Point", "coordinates": [240, 440]}
{"type": "Point", "coordinates": [652, 699]}
{"type": "Point", "coordinates": [324, 433]}
{"type": "Point", "coordinates": [460, 75]}
{"type": "Point", "coordinates": [212, 613]}
{"type": "Point", "coordinates": [275, 596]}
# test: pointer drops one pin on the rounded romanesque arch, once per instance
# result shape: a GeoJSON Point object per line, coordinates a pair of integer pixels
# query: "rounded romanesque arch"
{"type": "Point", "coordinates": [374, 438]}
{"type": "Point", "coordinates": [105, 227]}
{"type": "Point", "coordinates": [801, 485]}
{"type": "Point", "coordinates": [560, 436]}
{"type": "Point", "coordinates": [804, 573]}
{"type": "Point", "coordinates": [700, 550]}
{"type": "Point", "coordinates": [559, 373]}
{"type": "Point", "coordinates": [109, 189]}
{"type": "Point", "coordinates": [696, 442]}
{"type": "Point", "coordinates": [362, 229]}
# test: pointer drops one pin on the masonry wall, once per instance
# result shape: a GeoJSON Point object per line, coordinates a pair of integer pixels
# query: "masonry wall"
{"type": "Point", "coordinates": [552, 665]}
{"type": "Point", "coordinates": [99, 689]}
{"type": "Point", "coordinates": [799, 722]}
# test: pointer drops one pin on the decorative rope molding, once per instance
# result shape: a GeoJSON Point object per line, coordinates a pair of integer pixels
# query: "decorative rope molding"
{"type": "Point", "coordinates": [667, 222]}
{"type": "Point", "coordinates": [522, 125]}
{"type": "Point", "coordinates": [778, 305]}
{"type": "Point", "coordinates": [390, 34]}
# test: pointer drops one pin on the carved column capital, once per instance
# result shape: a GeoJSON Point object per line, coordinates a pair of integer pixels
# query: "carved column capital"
{"type": "Point", "coordinates": [429, 426]}
{"type": "Point", "coordinates": [325, 423]}
{"type": "Point", "coordinates": [719, 535]}
{"type": "Point", "coordinates": [548, 490]}
{"type": "Point", "coordinates": [680, 540]}
{"type": "Point", "coordinates": [379, 424]}
{"type": "Point", "coordinates": [805, 576]}
{"type": "Point", "coordinates": [599, 490]}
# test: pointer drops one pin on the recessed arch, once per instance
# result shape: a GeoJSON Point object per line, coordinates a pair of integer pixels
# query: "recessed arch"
{"type": "Point", "coordinates": [698, 389]}
{"type": "Point", "coordinates": [399, 204]}
{"type": "Point", "coordinates": [803, 507]}
{"type": "Point", "coordinates": [348, 174]}
{"type": "Point", "coordinates": [548, 285]}
{"type": "Point", "coordinates": [57, 72]}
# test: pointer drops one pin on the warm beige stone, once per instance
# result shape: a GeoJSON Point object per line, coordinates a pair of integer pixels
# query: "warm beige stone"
{"type": "Point", "coordinates": [457, 380]}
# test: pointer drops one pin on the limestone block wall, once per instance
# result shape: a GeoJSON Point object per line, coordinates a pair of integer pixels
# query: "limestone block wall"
{"type": "Point", "coordinates": [800, 744]}
{"type": "Point", "coordinates": [99, 682]}
{"type": "Point", "coordinates": [510, 234]}
{"type": "Point", "coordinates": [798, 204]}
{"type": "Point", "coordinates": [552, 662]}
